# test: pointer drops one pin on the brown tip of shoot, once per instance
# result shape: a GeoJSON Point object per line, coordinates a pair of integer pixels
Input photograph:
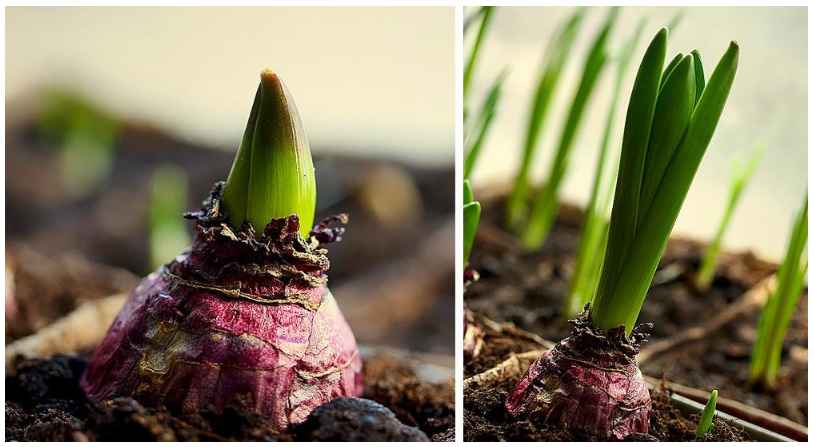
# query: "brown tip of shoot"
{"type": "Point", "coordinates": [268, 75]}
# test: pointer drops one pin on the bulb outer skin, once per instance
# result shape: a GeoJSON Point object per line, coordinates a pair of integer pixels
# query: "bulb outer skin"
{"type": "Point", "coordinates": [233, 316]}
{"type": "Point", "coordinates": [588, 383]}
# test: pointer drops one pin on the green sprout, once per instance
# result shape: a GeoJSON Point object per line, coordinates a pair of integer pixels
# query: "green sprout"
{"type": "Point", "coordinates": [553, 63]}
{"type": "Point", "coordinates": [477, 135]}
{"type": "Point", "coordinates": [471, 219]}
{"type": "Point", "coordinates": [705, 424]}
{"type": "Point", "coordinates": [741, 174]}
{"type": "Point", "coordinates": [594, 235]}
{"type": "Point", "coordinates": [667, 131]}
{"type": "Point", "coordinates": [273, 173]}
{"type": "Point", "coordinates": [169, 235]}
{"type": "Point", "coordinates": [777, 313]}
{"type": "Point", "coordinates": [546, 204]}
{"type": "Point", "coordinates": [86, 137]}
{"type": "Point", "coordinates": [485, 14]}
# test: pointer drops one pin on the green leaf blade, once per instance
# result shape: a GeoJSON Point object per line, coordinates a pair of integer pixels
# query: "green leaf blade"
{"type": "Point", "coordinates": [482, 125]}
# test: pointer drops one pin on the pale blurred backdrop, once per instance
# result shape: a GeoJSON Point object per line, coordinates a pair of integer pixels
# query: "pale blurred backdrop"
{"type": "Point", "coordinates": [768, 102]}
{"type": "Point", "coordinates": [378, 80]}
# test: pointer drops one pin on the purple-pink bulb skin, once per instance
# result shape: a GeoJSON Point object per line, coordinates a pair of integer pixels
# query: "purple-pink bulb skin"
{"type": "Point", "coordinates": [588, 383]}
{"type": "Point", "coordinates": [233, 316]}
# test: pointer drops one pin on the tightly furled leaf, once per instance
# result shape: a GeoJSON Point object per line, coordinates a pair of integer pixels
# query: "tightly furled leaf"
{"type": "Point", "coordinates": [666, 135]}
{"type": "Point", "coordinates": [273, 174]}
{"type": "Point", "coordinates": [705, 424]}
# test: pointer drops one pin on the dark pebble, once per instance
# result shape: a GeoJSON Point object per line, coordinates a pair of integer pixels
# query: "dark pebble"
{"type": "Point", "coordinates": [641, 437]}
{"type": "Point", "coordinates": [351, 419]}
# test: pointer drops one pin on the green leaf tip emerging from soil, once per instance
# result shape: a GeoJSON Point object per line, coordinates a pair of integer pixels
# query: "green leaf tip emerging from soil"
{"type": "Point", "coordinates": [777, 313]}
{"type": "Point", "coordinates": [666, 135]}
{"type": "Point", "coordinates": [741, 174]}
{"type": "Point", "coordinates": [705, 424]}
{"type": "Point", "coordinates": [273, 173]}
{"type": "Point", "coordinates": [472, 210]}
{"type": "Point", "coordinates": [546, 203]}
{"type": "Point", "coordinates": [555, 58]}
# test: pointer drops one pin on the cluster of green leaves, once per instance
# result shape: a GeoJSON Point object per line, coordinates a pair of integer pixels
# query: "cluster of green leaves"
{"type": "Point", "coordinates": [471, 220]}
{"type": "Point", "coordinates": [86, 137]}
{"type": "Point", "coordinates": [168, 233]}
{"type": "Point", "coordinates": [273, 173]}
{"type": "Point", "coordinates": [594, 235]}
{"type": "Point", "coordinates": [671, 118]}
{"type": "Point", "coordinates": [705, 423]}
{"type": "Point", "coordinates": [545, 204]}
{"type": "Point", "coordinates": [777, 313]}
{"type": "Point", "coordinates": [475, 132]}
{"type": "Point", "coordinates": [556, 56]}
{"type": "Point", "coordinates": [741, 174]}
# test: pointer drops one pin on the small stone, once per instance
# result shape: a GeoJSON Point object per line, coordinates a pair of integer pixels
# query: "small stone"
{"type": "Point", "coordinates": [350, 419]}
{"type": "Point", "coordinates": [640, 437]}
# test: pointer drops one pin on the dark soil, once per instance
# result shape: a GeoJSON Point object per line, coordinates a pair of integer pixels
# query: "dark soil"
{"type": "Point", "coordinates": [528, 290]}
{"type": "Point", "coordinates": [485, 418]}
{"type": "Point", "coordinates": [45, 403]}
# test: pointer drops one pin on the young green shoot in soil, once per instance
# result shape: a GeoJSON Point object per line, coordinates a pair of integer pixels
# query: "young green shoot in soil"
{"type": "Point", "coordinates": [590, 382]}
{"type": "Point", "coordinates": [556, 56]}
{"type": "Point", "coordinates": [667, 130]}
{"type": "Point", "coordinates": [476, 134]}
{"type": "Point", "coordinates": [705, 424]}
{"type": "Point", "coordinates": [594, 236]}
{"type": "Point", "coordinates": [472, 212]}
{"type": "Point", "coordinates": [273, 174]}
{"type": "Point", "coordinates": [485, 14]}
{"type": "Point", "coordinates": [86, 137]}
{"type": "Point", "coordinates": [777, 313]}
{"type": "Point", "coordinates": [545, 205]}
{"type": "Point", "coordinates": [245, 311]}
{"type": "Point", "coordinates": [169, 235]}
{"type": "Point", "coordinates": [741, 174]}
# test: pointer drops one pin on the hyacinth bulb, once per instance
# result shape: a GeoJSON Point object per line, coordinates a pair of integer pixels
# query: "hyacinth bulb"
{"type": "Point", "coordinates": [245, 312]}
{"type": "Point", "coordinates": [588, 383]}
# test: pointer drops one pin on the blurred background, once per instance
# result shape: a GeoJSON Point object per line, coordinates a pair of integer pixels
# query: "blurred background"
{"type": "Point", "coordinates": [120, 119]}
{"type": "Point", "coordinates": [768, 103]}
